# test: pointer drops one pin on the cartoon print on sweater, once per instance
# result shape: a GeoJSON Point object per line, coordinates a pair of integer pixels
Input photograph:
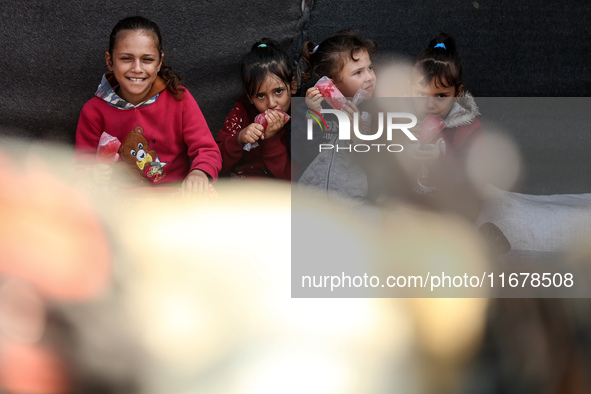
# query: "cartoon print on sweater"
{"type": "Point", "coordinates": [135, 152]}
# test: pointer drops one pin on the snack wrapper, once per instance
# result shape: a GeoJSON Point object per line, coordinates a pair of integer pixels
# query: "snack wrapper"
{"type": "Point", "coordinates": [260, 119]}
{"type": "Point", "coordinates": [331, 93]}
{"type": "Point", "coordinates": [107, 148]}
{"type": "Point", "coordinates": [430, 128]}
{"type": "Point", "coordinates": [249, 146]}
{"type": "Point", "coordinates": [360, 96]}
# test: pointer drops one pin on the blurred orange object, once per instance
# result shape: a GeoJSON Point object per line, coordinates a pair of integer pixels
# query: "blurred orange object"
{"type": "Point", "coordinates": [50, 235]}
{"type": "Point", "coordinates": [31, 369]}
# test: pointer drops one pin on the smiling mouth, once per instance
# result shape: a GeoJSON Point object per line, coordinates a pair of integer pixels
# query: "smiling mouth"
{"type": "Point", "coordinates": [136, 79]}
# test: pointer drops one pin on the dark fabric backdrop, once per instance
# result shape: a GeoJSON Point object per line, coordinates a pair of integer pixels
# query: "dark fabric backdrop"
{"type": "Point", "coordinates": [53, 56]}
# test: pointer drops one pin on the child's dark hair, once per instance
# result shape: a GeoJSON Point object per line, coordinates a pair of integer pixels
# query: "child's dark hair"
{"type": "Point", "coordinates": [329, 57]}
{"type": "Point", "coordinates": [440, 63]}
{"type": "Point", "coordinates": [265, 57]}
{"type": "Point", "coordinates": [140, 23]}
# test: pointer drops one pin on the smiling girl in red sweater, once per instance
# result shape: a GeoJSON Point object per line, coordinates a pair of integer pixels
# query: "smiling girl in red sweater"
{"type": "Point", "coordinates": [163, 134]}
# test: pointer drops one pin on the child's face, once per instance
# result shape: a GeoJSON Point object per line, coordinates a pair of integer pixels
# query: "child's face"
{"type": "Point", "coordinates": [135, 61]}
{"type": "Point", "coordinates": [356, 75]}
{"type": "Point", "coordinates": [436, 99]}
{"type": "Point", "coordinates": [272, 94]}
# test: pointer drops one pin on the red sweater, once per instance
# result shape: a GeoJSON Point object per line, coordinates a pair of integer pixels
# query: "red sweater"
{"type": "Point", "coordinates": [270, 159]}
{"type": "Point", "coordinates": [171, 136]}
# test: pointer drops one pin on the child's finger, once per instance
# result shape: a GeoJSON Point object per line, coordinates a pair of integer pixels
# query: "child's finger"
{"type": "Point", "coordinates": [440, 145]}
{"type": "Point", "coordinates": [272, 116]}
{"type": "Point", "coordinates": [352, 106]}
{"type": "Point", "coordinates": [312, 92]}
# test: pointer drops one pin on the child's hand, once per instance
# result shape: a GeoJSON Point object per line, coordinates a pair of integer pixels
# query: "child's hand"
{"type": "Point", "coordinates": [102, 172]}
{"type": "Point", "coordinates": [427, 155]}
{"type": "Point", "coordinates": [314, 99]}
{"type": "Point", "coordinates": [275, 120]}
{"type": "Point", "coordinates": [350, 109]}
{"type": "Point", "coordinates": [250, 134]}
{"type": "Point", "coordinates": [196, 184]}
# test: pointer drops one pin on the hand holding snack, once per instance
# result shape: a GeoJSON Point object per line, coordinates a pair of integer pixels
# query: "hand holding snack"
{"type": "Point", "coordinates": [276, 124]}
{"type": "Point", "coordinates": [250, 134]}
{"type": "Point", "coordinates": [106, 154]}
{"type": "Point", "coordinates": [314, 99]}
{"type": "Point", "coordinates": [261, 118]}
{"type": "Point", "coordinates": [108, 147]}
{"type": "Point", "coordinates": [331, 93]}
{"type": "Point", "coordinates": [430, 128]}
{"type": "Point", "coordinates": [427, 152]}
{"type": "Point", "coordinates": [349, 108]}
{"type": "Point", "coordinates": [360, 96]}
{"type": "Point", "coordinates": [273, 121]}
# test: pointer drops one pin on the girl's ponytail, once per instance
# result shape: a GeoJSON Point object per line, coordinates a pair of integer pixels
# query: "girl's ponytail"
{"type": "Point", "coordinates": [173, 81]}
{"type": "Point", "coordinates": [444, 42]}
{"type": "Point", "coordinates": [441, 62]}
{"type": "Point", "coordinates": [308, 51]}
{"type": "Point", "coordinates": [266, 57]}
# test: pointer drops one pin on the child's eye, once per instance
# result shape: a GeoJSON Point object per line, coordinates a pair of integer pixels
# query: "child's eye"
{"type": "Point", "coordinates": [260, 96]}
{"type": "Point", "coordinates": [148, 60]}
{"type": "Point", "coordinates": [279, 91]}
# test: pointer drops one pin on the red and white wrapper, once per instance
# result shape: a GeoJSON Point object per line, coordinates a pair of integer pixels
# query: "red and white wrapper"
{"type": "Point", "coordinates": [430, 128]}
{"type": "Point", "coordinates": [107, 148]}
{"type": "Point", "coordinates": [260, 119]}
{"type": "Point", "coordinates": [360, 96]}
{"type": "Point", "coordinates": [331, 93]}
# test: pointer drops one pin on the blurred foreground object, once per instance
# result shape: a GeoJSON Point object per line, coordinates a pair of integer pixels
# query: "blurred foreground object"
{"type": "Point", "coordinates": [143, 296]}
{"type": "Point", "coordinates": [52, 250]}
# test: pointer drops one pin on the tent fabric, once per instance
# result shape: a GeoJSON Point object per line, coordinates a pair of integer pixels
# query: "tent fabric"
{"type": "Point", "coordinates": [53, 54]}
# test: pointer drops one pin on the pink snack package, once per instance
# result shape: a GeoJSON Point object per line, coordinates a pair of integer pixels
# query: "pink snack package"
{"type": "Point", "coordinates": [431, 126]}
{"type": "Point", "coordinates": [107, 148]}
{"type": "Point", "coordinates": [331, 93]}
{"type": "Point", "coordinates": [260, 118]}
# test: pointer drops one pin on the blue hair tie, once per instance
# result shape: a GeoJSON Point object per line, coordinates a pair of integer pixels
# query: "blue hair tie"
{"type": "Point", "coordinates": [315, 49]}
{"type": "Point", "coordinates": [440, 45]}
{"type": "Point", "coordinates": [262, 45]}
